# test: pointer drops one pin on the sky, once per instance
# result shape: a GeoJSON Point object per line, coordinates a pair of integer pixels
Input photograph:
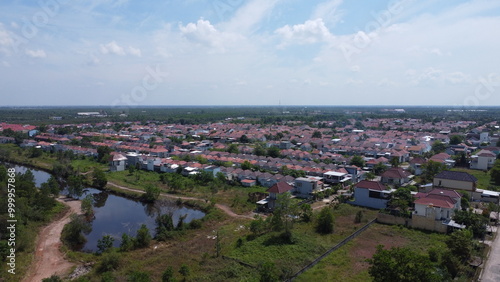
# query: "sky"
{"type": "Point", "coordinates": [125, 53]}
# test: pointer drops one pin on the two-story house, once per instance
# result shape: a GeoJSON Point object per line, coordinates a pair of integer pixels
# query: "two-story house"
{"type": "Point", "coordinates": [371, 194]}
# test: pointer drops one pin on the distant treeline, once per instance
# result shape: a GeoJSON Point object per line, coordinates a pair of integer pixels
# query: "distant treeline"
{"type": "Point", "coordinates": [251, 114]}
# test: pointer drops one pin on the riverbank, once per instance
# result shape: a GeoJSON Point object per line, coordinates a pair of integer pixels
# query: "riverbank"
{"type": "Point", "coordinates": [48, 259]}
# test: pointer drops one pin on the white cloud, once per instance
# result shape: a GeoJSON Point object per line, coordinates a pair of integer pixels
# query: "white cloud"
{"type": "Point", "coordinates": [204, 33]}
{"type": "Point", "coordinates": [248, 17]}
{"type": "Point", "coordinates": [134, 51]}
{"type": "Point", "coordinates": [36, 53]}
{"type": "Point", "coordinates": [329, 12]}
{"type": "Point", "coordinates": [385, 82]}
{"type": "Point", "coordinates": [113, 48]}
{"type": "Point", "coordinates": [354, 82]}
{"type": "Point", "coordinates": [5, 40]}
{"type": "Point", "coordinates": [312, 31]}
{"type": "Point", "coordinates": [355, 68]}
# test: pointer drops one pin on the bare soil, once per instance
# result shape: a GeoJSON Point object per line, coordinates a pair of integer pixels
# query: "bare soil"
{"type": "Point", "coordinates": [49, 260]}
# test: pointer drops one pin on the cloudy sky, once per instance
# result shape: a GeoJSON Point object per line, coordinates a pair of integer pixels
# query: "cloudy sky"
{"type": "Point", "coordinates": [249, 52]}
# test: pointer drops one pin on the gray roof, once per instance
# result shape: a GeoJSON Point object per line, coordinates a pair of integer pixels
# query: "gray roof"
{"type": "Point", "coordinates": [456, 175]}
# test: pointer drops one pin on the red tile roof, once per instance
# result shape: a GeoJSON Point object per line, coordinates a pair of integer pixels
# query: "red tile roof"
{"type": "Point", "coordinates": [280, 187]}
{"type": "Point", "coordinates": [371, 185]}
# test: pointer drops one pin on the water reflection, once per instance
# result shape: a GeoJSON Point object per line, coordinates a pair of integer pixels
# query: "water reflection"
{"type": "Point", "coordinates": [115, 215]}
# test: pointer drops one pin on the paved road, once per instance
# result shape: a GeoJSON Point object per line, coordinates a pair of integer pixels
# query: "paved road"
{"type": "Point", "coordinates": [491, 271]}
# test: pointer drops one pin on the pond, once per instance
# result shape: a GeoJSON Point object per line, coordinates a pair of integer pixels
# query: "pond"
{"type": "Point", "coordinates": [115, 215]}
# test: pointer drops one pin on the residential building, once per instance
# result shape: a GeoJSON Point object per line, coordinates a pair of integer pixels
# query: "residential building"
{"type": "Point", "coordinates": [305, 186]}
{"type": "Point", "coordinates": [456, 180]}
{"type": "Point", "coordinates": [371, 194]}
{"type": "Point", "coordinates": [396, 176]}
{"type": "Point", "coordinates": [483, 160]}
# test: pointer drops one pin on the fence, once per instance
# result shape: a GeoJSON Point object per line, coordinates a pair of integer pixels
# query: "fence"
{"type": "Point", "coordinates": [343, 242]}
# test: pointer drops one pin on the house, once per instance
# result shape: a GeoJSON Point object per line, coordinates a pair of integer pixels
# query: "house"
{"type": "Point", "coordinates": [416, 164]}
{"type": "Point", "coordinates": [117, 162]}
{"type": "Point", "coordinates": [276, 190]}
{"type": "Point", "coordinates": [456, 180]}
{"type": "Point", "coordinates": [212, 169]}
{"type": "Point", "coordinates": [248, 182]}
{"type": "Point", "coordinates": [483, 160]}
{"type": "Point", "coordinates": [334, 177]}
{"type": "Point", "coordinates": [371, 194]}
{"type": "Point", "coordinates": [395, 175]}
{"type": "Point", "coordinates": [443, 158]}
{"type": "Point", "coordinates": [434, 210]}
{"type": "Point", "coordinates": [305, 186]}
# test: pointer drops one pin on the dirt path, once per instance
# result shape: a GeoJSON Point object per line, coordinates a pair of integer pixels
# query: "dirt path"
{"type": "Point", "coordinates": [48, 258]}
{"type": "Point", "coordinates": [224, 208]}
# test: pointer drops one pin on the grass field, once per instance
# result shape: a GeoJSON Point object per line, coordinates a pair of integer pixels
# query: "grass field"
{"type": "Point", "coordinates": [483, 179]}
{"type": "Point", "coordinates": [349, 262]}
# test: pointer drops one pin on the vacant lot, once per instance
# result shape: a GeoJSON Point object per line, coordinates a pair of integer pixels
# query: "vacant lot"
{"type": "Point", "coordinates": [349, 262]}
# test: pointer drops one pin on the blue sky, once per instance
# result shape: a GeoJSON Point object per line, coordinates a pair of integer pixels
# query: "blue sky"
{"type": "Point", "coordinates": [249, 52]}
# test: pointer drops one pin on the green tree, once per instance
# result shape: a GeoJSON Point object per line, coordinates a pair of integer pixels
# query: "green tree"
{"type": "Point", "coordinates": [258, 226]}
{"type": "Point", "coordinates": [317, 134]}
{"type": "Point", "coordinates": [283, 215]}
{"type": "Point", "coordinates": [233, 149]}
{"type": "Point", "coordinates": [401, 199]}
{"type": "Point", "coordinates": [325, 221]}
{"type": "Point", "coordinates": [460, 244]}
{"type": "Point", "coordinates": [273, 152]}
{"type": "Point", "coordinates": [306, 212]}
{"type": "Point", "coordinates": [402, 265]}
{"type": "Point", "coordinates": [87, 207]}
{"type": "Point", "coordinates": [379, 168]}
{"type": "Point", "coordinates": [184, 271]}
{"type": "Point", "coordinates": [495, 172]}
{"type": "Point", "coordinates": [473, 221]}
{"type": "Point", "coordinates": [164, 225]}
{"type": "Point", "coordinates": [139, 276]}
{"type": "Point", "coordinates": [438, 147]}
{"type": "Point", "coordinates": [246, 165]}
{"type": "Point", "coordinates": [395, 162]}
{"type": "Point", "coordinates": [105, 243]}
{"type": "Point", "coordinates": [152, 193]}
{"type": "Point", "coordinates": [431, 169]}
{"type": "Point", "coordinates": [357, 161]}
{"type": "Point", "coordinates": [127, 243]}
{"type": "Point", "coordinates": [53, 278]}
{"type": "Point", "coordinates": [99, 178]}
{"type": "Point", "coordinates": [75, 186]}
{"type": "Point", "coordinates": [259, 150]}
{"type": "Point", "coordinates": [244, 139]}
{"type": "Point", "coordinates": [103, 154]}
{"type": "Point", "coordinates": [456, 139]}
{"type": "Point", "coordinates": [268, 272]}
{"type": "Point", "coordinates": [73, 231]}
{"type": "Point", "coordinates": [168, 275]}
{"type": "Point", "coordinates": [143, 238]}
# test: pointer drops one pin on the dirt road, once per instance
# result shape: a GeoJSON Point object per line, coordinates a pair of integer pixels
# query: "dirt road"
{"type": "Point", "coordinates": [224, 208]}
{"type": "Point", "coordinates": [48, 258]}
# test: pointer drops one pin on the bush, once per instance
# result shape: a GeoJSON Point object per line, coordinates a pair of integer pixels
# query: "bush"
{"type": "Point", "coordinates": [143, 238]}
{"type": "Point", "coordinates": [109, 262]}
{"type": "Point", "coordinates": [139, 276]}
{"type": "Point", "coordinates": [53, 278]}
{"type": "Point", "coordinates": [325, 221]}
{"type": "Point", "coordinates": [195, 224]}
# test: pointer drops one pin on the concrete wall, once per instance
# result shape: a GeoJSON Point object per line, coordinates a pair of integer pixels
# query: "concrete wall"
{"type": "Point", "coordinates": [391, 219]}
{"type": "Point", "coordinates": [422, 222]}
{"type": "Point", "coordinates": [454, 184]}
